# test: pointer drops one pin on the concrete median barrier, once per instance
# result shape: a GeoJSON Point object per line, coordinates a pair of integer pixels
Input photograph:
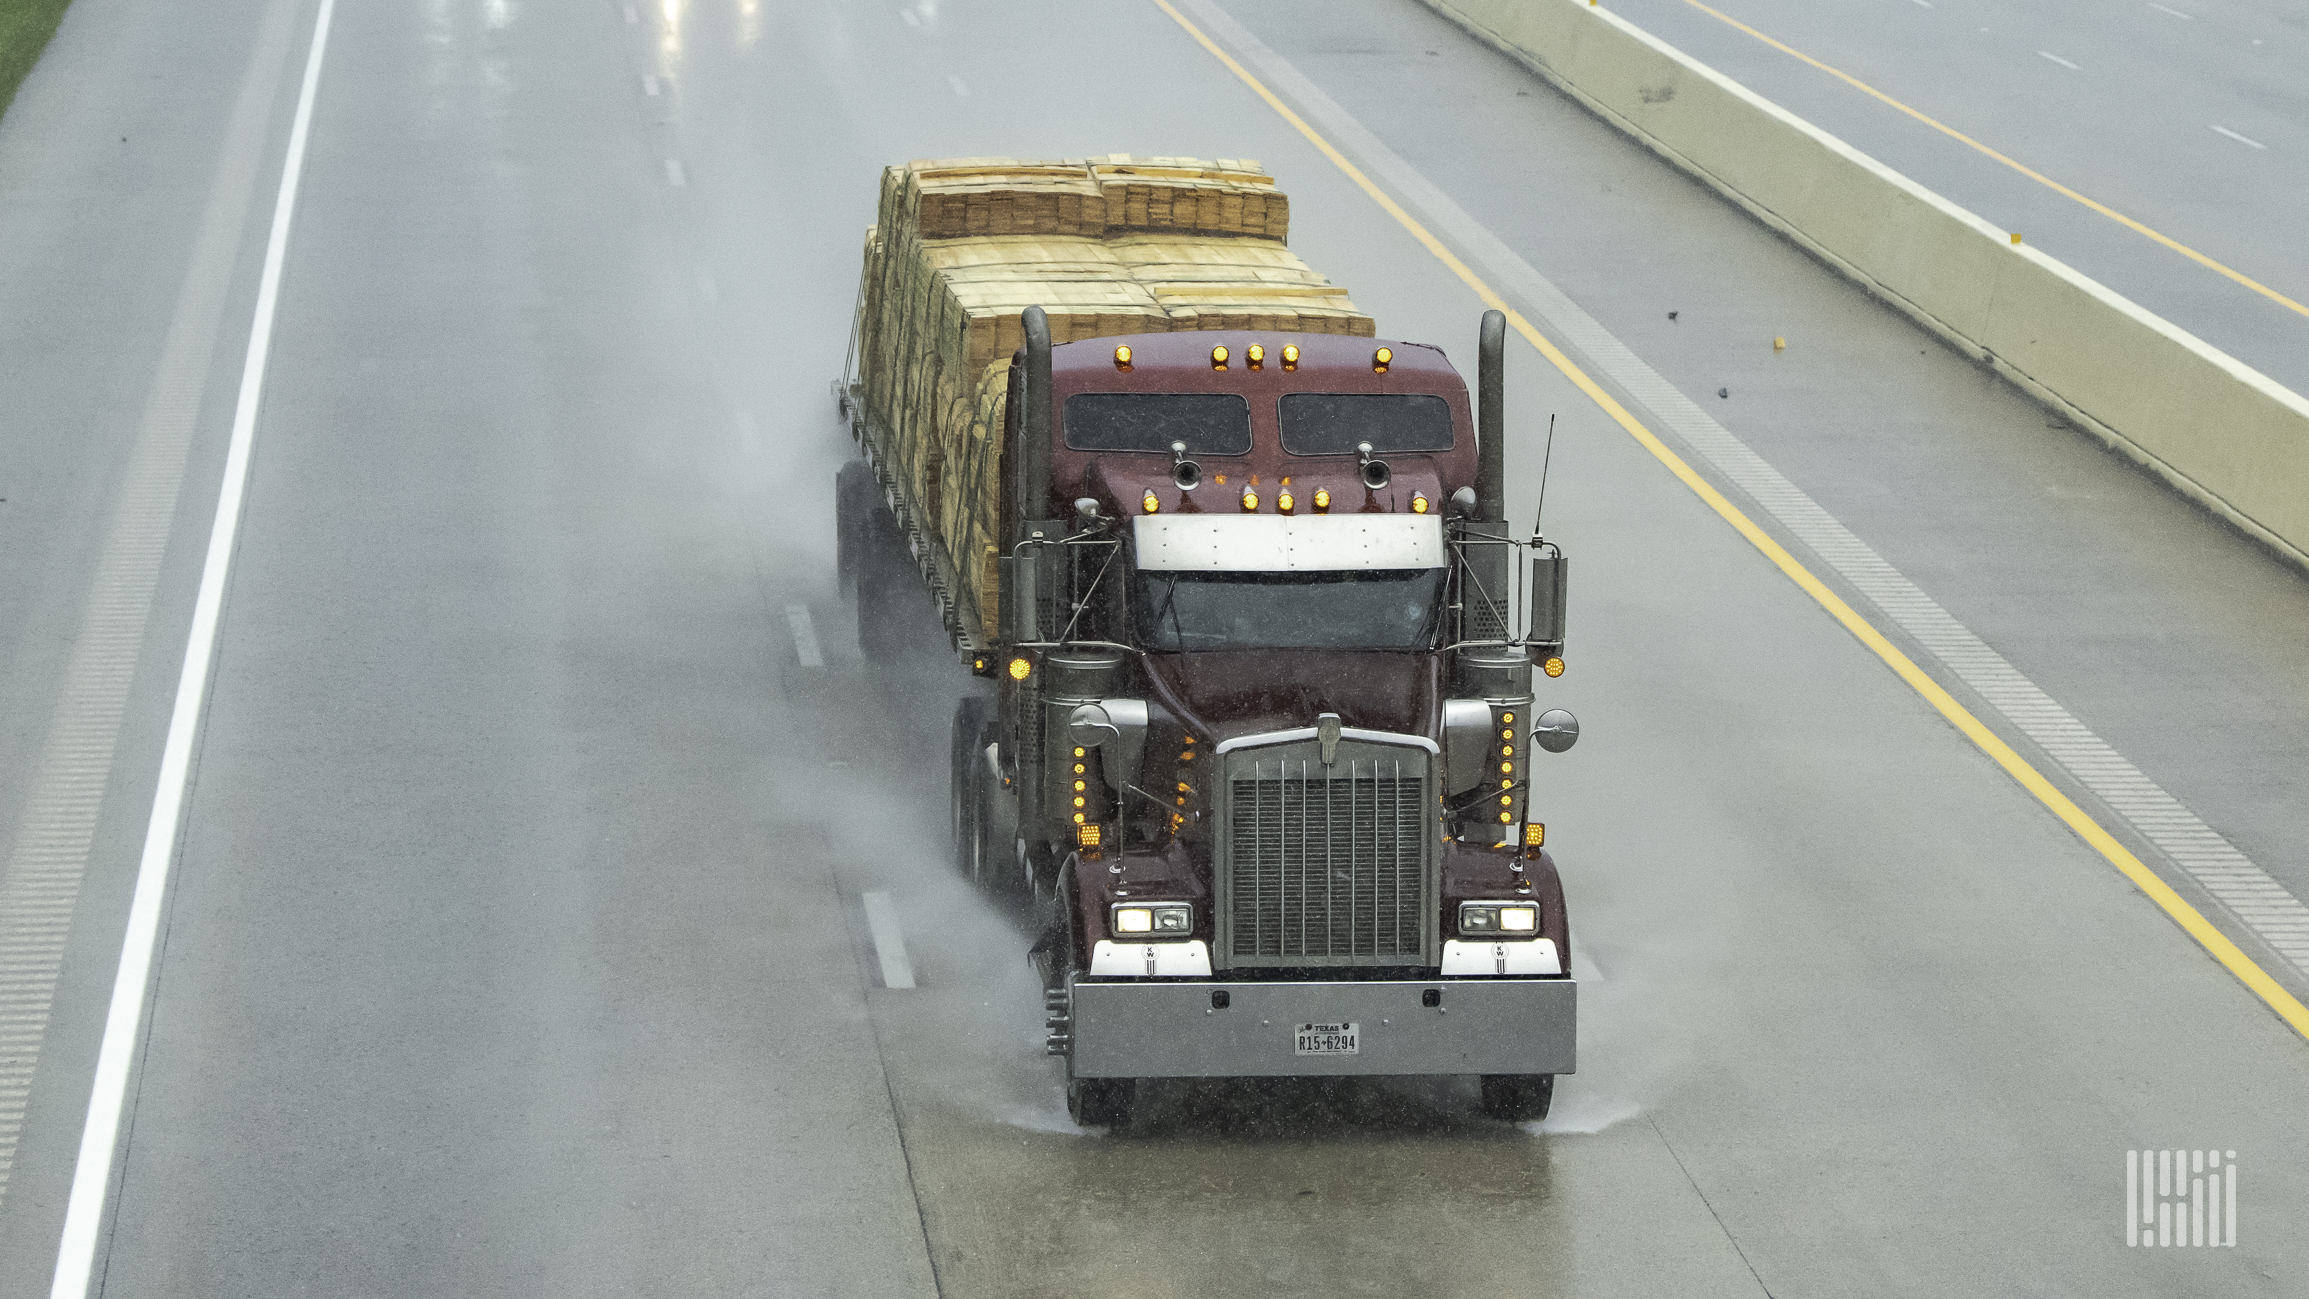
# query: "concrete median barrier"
{"type": "Point", "coordinates": [2219, 431]}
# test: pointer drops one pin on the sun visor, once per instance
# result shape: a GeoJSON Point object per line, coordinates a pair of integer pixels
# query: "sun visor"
{"type": "Point", "coordinates": [1268, 543]}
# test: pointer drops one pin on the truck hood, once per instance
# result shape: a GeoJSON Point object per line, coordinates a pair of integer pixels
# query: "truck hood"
{"type": "Point", "coordinates": [1225, 694]}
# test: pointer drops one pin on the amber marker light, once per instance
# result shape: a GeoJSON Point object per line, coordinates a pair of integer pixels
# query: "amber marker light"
{"type": "Point", "coordinates": [1290, 356]}
{"type": "Point", "coordinates": [1534, 834]}
{"type": "Point", "coordinates": [1553, 667]}
{"type": "Point", "coordinates": [1219, 357]}
{"type": "Point", "coordinates": [1256, 355]}
{"type": "Point", "coordinates": [1322, 498]}
{"type": "Point", "coordinates": [1087, 836]}
{"type": "Point", "coordinates": [1020, 667]}
{"type": "Point", "coordinates": [1122, 358]}
{"type": "Point", "coordinates": [1250, 502]}
{"type": "Point", "coordinates": [1418, 503]}
{"type": "Point", "coordinates": [1382, 358]}
{"type": "Point", "coordinates": [1150, 503]}
{"type": "Point", "coordinates": [1284, 502]}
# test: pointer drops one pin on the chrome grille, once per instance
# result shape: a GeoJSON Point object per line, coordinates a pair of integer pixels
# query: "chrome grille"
{"type": "Point", "coordinates": [1328, 866]}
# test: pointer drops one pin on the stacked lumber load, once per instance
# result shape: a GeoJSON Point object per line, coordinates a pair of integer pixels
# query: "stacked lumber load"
{"type": "Point", "coordinates": [1106, 246]}
{"type": "Point", "coordinates": [1204, 283]}
{"type": "Point", "coordinates": [1231, 196]}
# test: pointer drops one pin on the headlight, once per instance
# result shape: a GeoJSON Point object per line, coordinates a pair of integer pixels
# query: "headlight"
{"type": "Point", "coordinates": [1154, 919]}
{"type": "Point", "coordinates": [1498, 919]}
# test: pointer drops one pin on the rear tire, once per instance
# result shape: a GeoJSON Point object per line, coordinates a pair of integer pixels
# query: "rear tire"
{"type": "Point", "coordinates": [853, 501]}
{"type": "Point", "coordinates": [886, 575]}
{"type": "Point", "coordinates": [1518, 1097]}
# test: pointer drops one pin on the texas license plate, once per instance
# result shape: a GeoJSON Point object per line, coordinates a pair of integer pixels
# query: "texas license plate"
{"type": "Point", "coordinates": [1326, 1039]}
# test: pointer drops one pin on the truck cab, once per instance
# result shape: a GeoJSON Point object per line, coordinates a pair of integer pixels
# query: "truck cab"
{"type": "Point", "coordinates": [1260, 734]}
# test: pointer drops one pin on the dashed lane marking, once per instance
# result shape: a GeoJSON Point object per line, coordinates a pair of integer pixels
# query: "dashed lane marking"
{"type": "Point", "coordinates": [889, 940]}
{"type": "Point", "coordinates": [805, 636]}
{"type": "Point", "coordinates": [2194, 847]}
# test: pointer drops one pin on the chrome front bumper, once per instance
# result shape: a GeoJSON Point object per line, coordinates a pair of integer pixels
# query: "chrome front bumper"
{"type": "Point", "coordinates": [1173, 1030]}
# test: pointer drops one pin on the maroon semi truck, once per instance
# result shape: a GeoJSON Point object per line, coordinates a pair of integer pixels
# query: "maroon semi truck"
{"type": "Point", "coordinates": [1258, 731]}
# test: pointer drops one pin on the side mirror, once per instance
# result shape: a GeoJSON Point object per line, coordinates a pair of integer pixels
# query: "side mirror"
{"type": "Point", "coordinates": [1548, 576]}
{"type": "Point", "coordinates": [1555, 731]}
{"type": "Point", "coordinates": [1089, 726]}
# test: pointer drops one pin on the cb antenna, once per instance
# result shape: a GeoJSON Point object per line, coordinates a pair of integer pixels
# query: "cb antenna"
{"type": "Point", "coordinates": [1546, 458]}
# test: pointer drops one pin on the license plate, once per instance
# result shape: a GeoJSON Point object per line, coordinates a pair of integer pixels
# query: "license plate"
{"type": "Point", "coordinates": [1326, 1039]}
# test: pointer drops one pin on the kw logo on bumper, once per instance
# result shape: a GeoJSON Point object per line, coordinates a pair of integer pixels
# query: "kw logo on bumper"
{"type": "Point", "coordinates": [2181, 1197]}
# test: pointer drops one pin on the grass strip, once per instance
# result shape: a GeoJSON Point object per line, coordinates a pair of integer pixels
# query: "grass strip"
{"type": "Point", "coordinates": [25, 26]}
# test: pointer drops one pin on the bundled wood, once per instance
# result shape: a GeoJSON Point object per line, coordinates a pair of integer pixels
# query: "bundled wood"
{"type": "Point", "coordinates": [992, 196]}
{"type": "Point", "coordinates": [1111, 246]}
{"type": "Point", "coordinates": [973, 474]}
{"type": "Point", "coordinates": [1203, 283]}
{"type": "Point", "coordinates": [1229, 196]}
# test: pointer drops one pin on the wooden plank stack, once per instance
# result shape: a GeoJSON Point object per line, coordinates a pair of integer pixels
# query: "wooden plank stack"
{"type": "Point", "coordinates": [1107, 246]}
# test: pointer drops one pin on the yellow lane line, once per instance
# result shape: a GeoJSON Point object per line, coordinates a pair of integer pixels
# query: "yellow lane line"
{"type": "Point", "coordinates": [2025, 170]}
{"type": "Point", "coordinates": [2188, 917]}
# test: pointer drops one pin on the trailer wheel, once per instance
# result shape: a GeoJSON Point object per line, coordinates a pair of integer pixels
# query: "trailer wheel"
{"type": "Point", "coordinates": [1518, 1097]}
{"type": "Point", "coordinates": [853, 498]}
{"type": "Point", "coordinates": [1100, 1102]}
{"type": "Point", "coordinates": [885, 578]}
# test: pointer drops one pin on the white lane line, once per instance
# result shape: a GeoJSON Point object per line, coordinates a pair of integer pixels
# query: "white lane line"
{"type": "Point", "coordinates": [960, 91]}
{"type": "Point", "coordinates": [632, 16]}
{"type": "Point", "coordinates": [1927, 4]}
{"type": "Point", "coordinates": [2232, 878]}
{"type": "Point", "coordinates": [2057, 59]}
{"type": "Point", "coordinates": [805, 636]}
{"type": "Point", "coordinates": [2239, 138]}
{"type": "Point", "coordinates": [123, 1021]}
{"type": "Point", "coordinates": [2167, 9]}
{"type": "Point", "coordinates": [41, 876]}
{"type": "Point", "coordinates": [675, 174]}
{"type": "Point", "coordinates": [889, 940]}
{"type": "Point", "coordinates": [649, 85]}
{"type": "Point", "coordinates": [909, 16]}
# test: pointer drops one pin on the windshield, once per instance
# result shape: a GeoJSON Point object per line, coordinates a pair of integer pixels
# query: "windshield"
{"type": "Point", "coordinates": [1334, 423]}
{"type": "Point", "coordinates": [1210, 423]}
{"type": "Point", "coordinates": [1392, 608]}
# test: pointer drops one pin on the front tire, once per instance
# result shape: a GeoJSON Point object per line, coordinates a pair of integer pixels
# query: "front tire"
{"type": "Point", "coordinates": [1518, 1097]}
{"type": "Point", "coordinates": [966, 751]}
{"type": "Point", "coordinates": [1100, 1102]}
